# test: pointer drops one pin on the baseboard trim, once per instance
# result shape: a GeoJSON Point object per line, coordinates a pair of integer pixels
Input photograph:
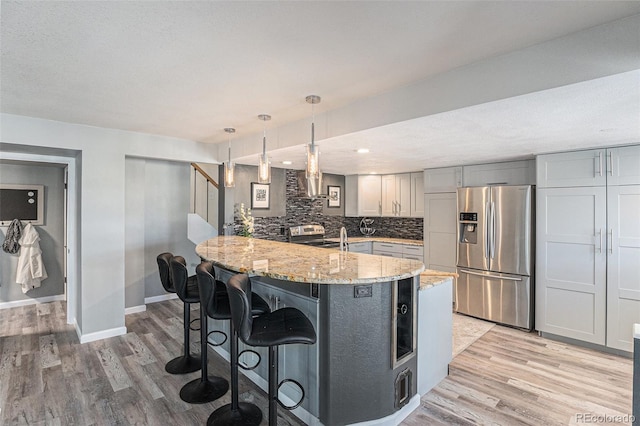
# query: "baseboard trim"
{"type": "Point", "coordinates": [35, 301]}
{"type": "Point", "coordinates": [135, 309]}
{"type": "Point", "coordinates": [104, 334]}
{"type": "Point", "coordinates": [160, 298]}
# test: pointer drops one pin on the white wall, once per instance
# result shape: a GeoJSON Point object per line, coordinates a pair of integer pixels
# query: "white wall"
{"type": "Point", "coordinates": [101, 202]}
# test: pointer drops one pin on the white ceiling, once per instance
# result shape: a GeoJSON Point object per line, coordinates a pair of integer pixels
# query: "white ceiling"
{"type": "Point", "coordinates": [189, 69]}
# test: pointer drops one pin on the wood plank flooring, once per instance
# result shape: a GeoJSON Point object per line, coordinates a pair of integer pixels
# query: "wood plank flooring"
{"type": "Point", "coordinates": [48, 378]}
{"type": "Point", "coordinates": [507, 377]}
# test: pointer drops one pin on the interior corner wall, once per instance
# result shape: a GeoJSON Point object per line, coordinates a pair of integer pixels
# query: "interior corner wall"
{"type": "Point", "coordinates": [51, 232]}
{"type": "Point", "coordinates": [156, 205]}
{"type": "Point", "coordinates": [101, 258]}
{"type": "Point", "coordinates": [245, 175]}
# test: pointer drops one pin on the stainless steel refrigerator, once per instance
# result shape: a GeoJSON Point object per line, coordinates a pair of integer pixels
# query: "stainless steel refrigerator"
{"type": "Point", "coordinates": [496, 254]}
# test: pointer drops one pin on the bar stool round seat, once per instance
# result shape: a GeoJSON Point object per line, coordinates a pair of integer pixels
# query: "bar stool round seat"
{"type": "Point", "coordinates": [281, 327]}
{"type": "Point", "coordinates": [186, 287]}
{"type": "Point", "coordinates": [215, 300]}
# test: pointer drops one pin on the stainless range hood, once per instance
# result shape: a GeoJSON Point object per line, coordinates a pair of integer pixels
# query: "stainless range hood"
{"type": "Point", "coordinates": [310, 188]}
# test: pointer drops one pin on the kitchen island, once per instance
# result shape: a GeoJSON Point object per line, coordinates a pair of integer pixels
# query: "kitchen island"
{"type": "Point", "coordinates": [364, 308]}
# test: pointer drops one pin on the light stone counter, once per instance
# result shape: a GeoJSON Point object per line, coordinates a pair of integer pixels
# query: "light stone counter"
{"type": "Point", "coordinates": [636, 331]}
{"type": "Point", "coordinates": [428, 278]}
{"type": "Point", "coordinates": [299, 263]}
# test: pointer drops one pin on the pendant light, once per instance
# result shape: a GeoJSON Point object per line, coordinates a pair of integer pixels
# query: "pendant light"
{"type": "Point", "coordinates": [229, 166]}
{"type": "Point", "coordinates": [264, 166]}
{"type": "Point", "coordinates": [313, 154]}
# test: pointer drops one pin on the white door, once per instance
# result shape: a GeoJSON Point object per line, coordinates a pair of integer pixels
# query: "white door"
{"type": "Point", "coordinates": [571, 263]}
{"type": "Point", "coordinates": [403, 195]}
{"type": "Point", "coordinates": [389, 195]}
{"type": "Point", "coordinates": [440, 244]}
{"type": "Point", "coordinates": [579, 168]}
{"type": "Point", "coordinates": [417, 195]}
{"type": "Point", "coordinates": [623, 267]}
{"type": "Point", "coordinates": [623, 165]}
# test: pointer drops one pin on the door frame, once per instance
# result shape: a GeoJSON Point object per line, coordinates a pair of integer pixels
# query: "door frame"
{"type": "Point", "coordinates": [71, 220]}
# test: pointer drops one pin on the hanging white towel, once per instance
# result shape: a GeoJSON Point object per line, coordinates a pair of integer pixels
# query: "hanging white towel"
{"type": "Point", "coordinates": [30, 266]}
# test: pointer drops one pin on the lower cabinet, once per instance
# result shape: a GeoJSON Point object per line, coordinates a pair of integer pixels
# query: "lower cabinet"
{"type": "Point", "coordinates": [387, 249]}
{"type": "Point", "coordinates": [361, 247]}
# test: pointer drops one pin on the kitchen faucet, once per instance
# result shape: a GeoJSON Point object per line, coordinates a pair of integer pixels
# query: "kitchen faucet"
{"type": "Point", "coordinates": [344, 243]}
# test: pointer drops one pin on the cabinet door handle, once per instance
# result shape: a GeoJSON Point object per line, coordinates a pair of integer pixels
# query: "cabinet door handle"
{"type": "Point", "coordinates": [600, 248]}
{"type": "Point", "coordinates": [610, 155]}
{"type": "Point", "coordinates": [610, 241]}
{"type": "Point", "coordinates": [380, 207]}
{"type": "Point", "coordinates": [599, 159]}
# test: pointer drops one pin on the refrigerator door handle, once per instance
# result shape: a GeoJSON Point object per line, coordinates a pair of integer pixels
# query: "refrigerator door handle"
{"type": "Point", "coordinates": [498, 277]}
{"type": "Point", "coordinates": [487, 221]}
{"type": "Point", "coordinates": [493, 229]}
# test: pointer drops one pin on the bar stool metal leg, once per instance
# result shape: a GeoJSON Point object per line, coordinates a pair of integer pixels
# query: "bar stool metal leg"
{"type": "Point", "coordinates": [236, 413]}
{"type": "Point", "coordinates": [273, 385]}
{"type": "Point", "coordinates": [185, 363]}
{"type": "Point", "coordinates": [206, 388]}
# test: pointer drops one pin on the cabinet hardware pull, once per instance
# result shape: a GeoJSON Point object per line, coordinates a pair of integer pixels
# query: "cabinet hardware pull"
{"type": "Point", "coordinates": [600, 248]}
{"type": "Point", "coordinates": [600, 163]}
{"type": "Point", "coordinates": [610, 154]}
{"type": "Point", "coordinates": [610, 242]}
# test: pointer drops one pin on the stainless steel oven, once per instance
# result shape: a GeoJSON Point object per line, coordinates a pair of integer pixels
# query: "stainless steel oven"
{"type": "Point", "coordinates": [311, 235]}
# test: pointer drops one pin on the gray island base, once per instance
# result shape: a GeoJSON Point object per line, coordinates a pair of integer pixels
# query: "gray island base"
{"type": "Point", "coordinates": [364, 366]}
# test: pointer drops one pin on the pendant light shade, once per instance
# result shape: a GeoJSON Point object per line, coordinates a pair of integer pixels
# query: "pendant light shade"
{"type": "Point", "coordinates": [264, 166]}
{"type": "Point", "coordinates": [313, 154]}
{"type": "Point", "coordinates": [229, 166]}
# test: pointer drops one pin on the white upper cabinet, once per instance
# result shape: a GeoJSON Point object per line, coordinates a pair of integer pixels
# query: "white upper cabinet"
{"type": "Point", "coordinates": [369, 195]}
{"type": "Point", "coordinates": [417, 195]}
{"type": "Point", "coordinates": [596, 167]}
{"type": "Point", "coordinates": [447, 179]}
{"type": "Point", "coordinates": [396, 195]}
{"type": "Point", "coordinates": [508, 173]}
{"type": "Point", "coordinates": [571, 169]}
{"type": "Point", "coordinates": [623, 165]}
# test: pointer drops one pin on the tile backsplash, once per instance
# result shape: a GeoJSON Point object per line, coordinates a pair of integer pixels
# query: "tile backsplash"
{"type": "Point", "coordinates": [307, 211]}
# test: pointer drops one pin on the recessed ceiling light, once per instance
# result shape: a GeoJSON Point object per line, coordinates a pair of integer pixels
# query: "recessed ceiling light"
{"type": "Point", "coordinates": [362, 150]}
{"type": "Point", "coordinates": [373, 173]}
{"type": "Point", "coordinates": [287, 162]}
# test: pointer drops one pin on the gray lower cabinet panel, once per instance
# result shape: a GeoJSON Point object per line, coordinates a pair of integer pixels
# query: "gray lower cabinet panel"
{"type": "Point", "coordinates": [571, 264]}
{"type": "Point", "coordinates": [623, 265]}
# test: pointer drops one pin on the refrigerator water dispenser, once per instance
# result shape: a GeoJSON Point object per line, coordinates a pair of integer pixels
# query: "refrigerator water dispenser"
{"type": "Point", "coordinates": [469, 228]}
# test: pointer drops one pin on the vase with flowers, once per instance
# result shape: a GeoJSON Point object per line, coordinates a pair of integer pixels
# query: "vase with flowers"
{"type": "Point", "coordinates": [246, 221]}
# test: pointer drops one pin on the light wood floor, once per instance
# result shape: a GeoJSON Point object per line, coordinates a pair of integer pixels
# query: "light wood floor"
{"type": "Point", "coordinates": [507, 377]}
{"type": "Point", "coordinates": [48, 378]}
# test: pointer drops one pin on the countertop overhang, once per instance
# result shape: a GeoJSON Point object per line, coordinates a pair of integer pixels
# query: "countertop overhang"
{"type": "Point", "coordinates": [299, 263]}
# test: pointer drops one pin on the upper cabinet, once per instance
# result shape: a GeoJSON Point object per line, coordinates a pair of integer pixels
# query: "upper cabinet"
{"type": "Point", "coordinates": [398, 195]}
{"type": "Point", "coordinates": [447, 179]}
{"type": "Point", "coordinates": [417, 195]}
{"type": "Point", "coordinates": [508, 173]}
{"type": "Point", "coordinates": [596, 167]}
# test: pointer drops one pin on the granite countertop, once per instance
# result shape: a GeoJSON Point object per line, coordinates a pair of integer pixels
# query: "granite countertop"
{"type": "Point", "coordinates": [296, 262]}
{"type": "Point", "coordinates": [381, 240]}
{"type": "Point", "coordinates": [429, 278]}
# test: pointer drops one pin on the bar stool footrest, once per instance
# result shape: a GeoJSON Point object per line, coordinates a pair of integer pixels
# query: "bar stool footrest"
{"type": "Point", "coordinates": [252, 367]}
{"type": "Point", "coordinates": [290, 407]}
{"type": "Point", "coordinates": [217, 332]}
{"type": "Point", "coordinates": [192, 327]}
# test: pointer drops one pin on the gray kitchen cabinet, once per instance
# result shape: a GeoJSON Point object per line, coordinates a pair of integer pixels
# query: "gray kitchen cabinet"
{"type": "Point", "coordinates": [507, 173]}
{"type": "Point", "coordinates": [387, 249]}
{"type": "Point", "coordinates": [623, 165]}
{"type": "Point", "coordinates": [414, 252]}
{"type": "Point", "coordinates": [364, 247]}
{"type": "Point", "coordinates": [588, 245]}
{"type": "Point", "coordinates": [570, 169]}
{"type": "Point", "coordinates": [571, 263]}
{"type": "Point", "coordinates": [396, 195]}
{"type": "Point", "coordinates": [440, 248]}
{"type": "Point", "coordinates": [446, 179]}
{"type": "Point", "coordinates": [417, 195]}
{"type": "Point", "coordinates": [623, 265]}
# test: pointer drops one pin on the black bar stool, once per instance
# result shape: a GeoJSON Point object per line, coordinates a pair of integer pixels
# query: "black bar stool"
{"type": "Point", "coordinates": [186, 288]}
{"type": "Point", "coordinates": [215, 300]}
{"type": "Point", "coordinates": [206, 388]}
{"type": "Point", "coordinates": [281, 327]}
